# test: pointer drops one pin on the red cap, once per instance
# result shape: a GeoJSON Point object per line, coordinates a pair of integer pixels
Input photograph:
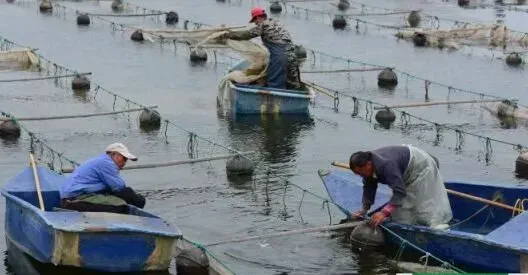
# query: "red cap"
{"type": "Point", "coordinates": [257, 11]}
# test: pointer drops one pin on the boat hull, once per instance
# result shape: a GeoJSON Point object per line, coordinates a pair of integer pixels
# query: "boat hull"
{"type": "Point", "coordinates": [249, 100]}
{"type": "Point", "coordinates": [466, 252]}
{"type": "Point", "coordinates": [480, 238]}
{"type": "Point", "coordinates": [89, 247]}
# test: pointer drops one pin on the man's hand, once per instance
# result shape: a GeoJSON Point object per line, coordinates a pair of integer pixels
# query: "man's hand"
{"type": "Point", "coordinates": [360, 213]}
{"type": "Point", "coordinates": [378, 218]}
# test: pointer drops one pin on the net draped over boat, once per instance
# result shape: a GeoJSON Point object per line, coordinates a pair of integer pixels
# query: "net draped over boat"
{"type": "Point", "coordinates": [256, 54]}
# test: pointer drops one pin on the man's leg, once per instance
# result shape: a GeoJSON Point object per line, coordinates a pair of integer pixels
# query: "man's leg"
{"type": "Point", "coordinates": [91, 207]}
{"type": "Point", "coordinates": [131, 197]}
{"type": "Point", "coordinates": [96, 203]}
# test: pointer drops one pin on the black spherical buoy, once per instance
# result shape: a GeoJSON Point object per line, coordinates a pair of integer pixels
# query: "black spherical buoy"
{"type": "Point", "coordinates": [239, 165]}
{"type": "Point", "coordinates": [192, 261]}
{"type": "Point", "coordinates": [83, 20]}
{"type": "Point", "coordinates": [149, 119]}
{"type": "Point", "coordinates": [521, 165]}
{"type": "Point", "coordinates": [137, 36]}
{"type": "Point", "coordinates": [419, 39]}
{"type": "Point", "coordinates": [339, 22]}
{"type": "Point", "coordinates": [171, 18]}
{"type": "Point", "coordinates": [300, 52]}
{"type": "Point", "coordinates": [9, 129]}
{"type": "Point", "coordinates": [275, 7]}
{"type": "Point", "coordinates": [198, 55]}
{"type": "Point", "coordinates": [367, 236]}
{"type": "Point", "coordinates": [81, 83]}
{"type": "Point", "coordinates": [343, 5]}
{"type": "Point", "coordinates": [463, 3]}
{"type": "Point", "coordinates": [117, 5]}
{"type": "Point", "coordinates": [414, 19]}
{"type": "Point", "coordinates": [514, 59]}
{"type": "Point", "coordinates": [385, 118]}
{"type": "Point", "coordinates": [46, 6]}
{"type": "Point", "coordinates": [387, 78]}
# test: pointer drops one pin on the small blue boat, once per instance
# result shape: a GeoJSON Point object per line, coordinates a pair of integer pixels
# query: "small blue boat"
{"type": "Point", "coordinates": [98, 241]}
{"type": "Point", "coordinates": [481, 237]}
{"type": "Point", "coordinates": [251, 99]}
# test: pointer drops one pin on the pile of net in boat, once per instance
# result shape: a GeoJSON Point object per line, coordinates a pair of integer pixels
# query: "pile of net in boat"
{"type": "Point", "coordinates": [490, 35]}
{"type": "Point", "coordinates": [255, 54]}
{"type": "Point", "coordinates": [17, 60]}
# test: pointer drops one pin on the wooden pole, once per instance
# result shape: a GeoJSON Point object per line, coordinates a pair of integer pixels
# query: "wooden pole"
{"type": "Point", "coordinates": [319, 89]}
{"type": "Point", "coordinates": [44, 77]}
{"type": "Point", "coordinates": [291, 232]}
{"type": "Point", "coordinates": [455, 193]}
{"type": "Point", "coordinates": [37, 181]}
{"type": "Point", "coordinates": [421, 104]}
{"type": "Point", "coordinates": [171, 163]}
{"type": "Point", "coordinates": [77, 116]}
{"type": "Point", "coordinates": [344, 70]}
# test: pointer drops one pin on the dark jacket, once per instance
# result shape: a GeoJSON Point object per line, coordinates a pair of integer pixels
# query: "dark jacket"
{"type": "Point", "coordinates": [389, 163]}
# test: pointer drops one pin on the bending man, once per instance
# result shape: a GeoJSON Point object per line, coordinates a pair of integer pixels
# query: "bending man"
{"type": "Point", "coordinates": [96, 185]}
{"type": "Point", "coordinates": [283, 67]}
{"type": "Point", "coordinates": [418, 192]}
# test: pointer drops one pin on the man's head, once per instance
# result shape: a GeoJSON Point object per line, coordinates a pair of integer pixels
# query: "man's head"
{"type": "Point", "coordinates": [119, 154]}
{"type": "Point", "coordinates": [361, 164]}
{"type": "Point", "coordinates": [258, 14]}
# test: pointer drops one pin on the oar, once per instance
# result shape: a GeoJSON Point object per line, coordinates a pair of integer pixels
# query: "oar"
{"type": "Point", "coordinates": [456, 193]}
{"type": "Point", "coordinates": [37, 182]}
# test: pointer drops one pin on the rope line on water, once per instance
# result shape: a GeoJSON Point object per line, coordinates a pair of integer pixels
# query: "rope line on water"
{"type": "Point", "coordinates": [439, 127]}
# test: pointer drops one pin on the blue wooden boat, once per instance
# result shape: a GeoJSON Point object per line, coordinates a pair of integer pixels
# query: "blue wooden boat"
{"type": "Point", "coordinates": [480, 238]}
{"type": "Point", "coordinates": [251, 99]}
{"type": "Point", "coordinates": [100, 241]}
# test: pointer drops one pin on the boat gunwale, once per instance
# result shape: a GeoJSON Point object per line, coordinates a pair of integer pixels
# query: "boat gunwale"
{"type": "Point", "coordinates": [257, 91]}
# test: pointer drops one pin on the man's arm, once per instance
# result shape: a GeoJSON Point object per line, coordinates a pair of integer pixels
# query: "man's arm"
{"type": "Point", "coordinates": [245, 35]}
{"type": "Point", "coordinates": [370, 186]}
{"type": "Point", "coordinates": [111, 178]}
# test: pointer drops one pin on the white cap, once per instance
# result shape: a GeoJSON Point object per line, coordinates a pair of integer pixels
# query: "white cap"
{"type": "Point", "coordinates": [121, 149]}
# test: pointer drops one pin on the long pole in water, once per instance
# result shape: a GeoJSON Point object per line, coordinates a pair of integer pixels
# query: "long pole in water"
{"type": "Point", "coordinates": [172, 163]}
{"type": "Point", "coordinates": [37, 181]}
{"type": "Point", "coordinates": [79, 116]}
{"type": "Point", "coordinates": [291, 232]}
{"type": "Point", "coordinates": [456, 193]}
{"type": "Point", "coordinates": [438, 103]}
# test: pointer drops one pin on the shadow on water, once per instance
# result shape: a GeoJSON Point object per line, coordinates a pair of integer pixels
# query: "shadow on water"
{"type": "Point", "coordinates": [277, 137]}
{"type": "Point", "coordinates": [19, 263]}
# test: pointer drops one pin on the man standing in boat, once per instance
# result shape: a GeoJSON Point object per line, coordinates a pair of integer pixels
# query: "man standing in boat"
{"type": "Point", "coordinates": [419, 196]}
{"type": "Point", "coordinates": [96, 185]}
{"type": "Point", "coordinates": [283, 68]}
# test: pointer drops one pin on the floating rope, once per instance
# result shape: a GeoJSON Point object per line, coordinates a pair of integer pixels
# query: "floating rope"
{"type": "Point", "coordinates": [459, 134]}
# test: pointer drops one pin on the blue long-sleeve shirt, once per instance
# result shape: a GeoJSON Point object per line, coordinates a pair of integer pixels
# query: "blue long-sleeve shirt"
{"type": "Point", "coordinates": [96, 175]}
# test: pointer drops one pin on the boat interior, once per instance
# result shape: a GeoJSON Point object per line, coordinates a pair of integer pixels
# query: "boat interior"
{"type": "Point", "coordinates": [22, 187]}
{"type": "Point", "coordinates": [259, 85]}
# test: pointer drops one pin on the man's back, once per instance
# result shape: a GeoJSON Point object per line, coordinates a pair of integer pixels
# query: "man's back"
{"type": "Point", "coordinates": [94, 175]}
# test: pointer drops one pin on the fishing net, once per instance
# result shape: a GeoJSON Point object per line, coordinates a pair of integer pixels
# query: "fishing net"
{"type": "Point", "coordinates": [491, 35]}
{"type": "Point", "coordinates": [255, 56]}
{"type": "Point", "coordinates": [17, 59]}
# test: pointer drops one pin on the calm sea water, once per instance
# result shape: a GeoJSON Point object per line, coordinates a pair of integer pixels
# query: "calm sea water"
{"type": "Point", "coordinates": [199, 198]}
